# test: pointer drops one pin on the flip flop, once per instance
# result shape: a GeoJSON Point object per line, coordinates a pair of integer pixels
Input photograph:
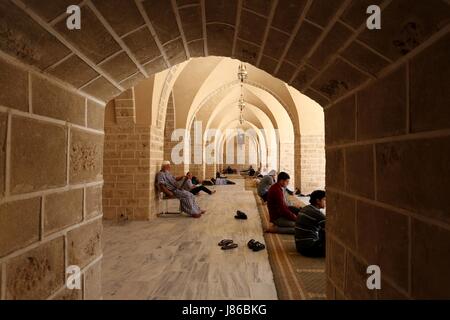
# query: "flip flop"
{"type": "Point", "coordinates": [258, 246]}
{"type": "Point", "coordinates": [224, 242]}
{"type": "Point", "coordinates": [255, 245]}
{"type": "Point", "coordinates": [229, 246]}
{"type": "Point", "coordinates": [240, 215]}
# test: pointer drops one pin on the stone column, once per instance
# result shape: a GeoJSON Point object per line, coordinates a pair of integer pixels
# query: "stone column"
{"type": "Point", "coordinates": [127, 192]}
{"type": "Point", "coordinates": [287, 161]}
{"type": "Point", "coordinates": [312, 167]}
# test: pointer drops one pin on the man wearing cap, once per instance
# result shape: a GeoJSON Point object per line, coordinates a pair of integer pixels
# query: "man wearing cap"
{"type": "Point", "coordinates": [168, 184]}
{"type": "Point", "coordinates": [265, 184]}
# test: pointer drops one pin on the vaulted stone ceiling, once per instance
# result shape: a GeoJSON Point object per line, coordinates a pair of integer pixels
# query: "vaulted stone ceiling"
{"type": "Point", "coordinates": [207, 83]}
{"type": "Point", "coordinates": [318, 46]}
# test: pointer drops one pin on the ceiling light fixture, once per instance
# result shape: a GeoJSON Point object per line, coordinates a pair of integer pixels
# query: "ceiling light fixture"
{"type": "Point", "coordinates": [242, 76]}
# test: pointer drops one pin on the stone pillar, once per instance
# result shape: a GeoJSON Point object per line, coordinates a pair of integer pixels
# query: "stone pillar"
{"type": "Point", "coordinates": [177, 169]}
{"type": "Point", "coordinates": [126, 195]}
{"type": "Point", "coordinates": [298, 161]}
{"type": "Point", "coordinates": [312, 168]}
{"type": "Point", "coordinates": [287, 161]}
{"type": "Point", "coordinates": [156, 159]}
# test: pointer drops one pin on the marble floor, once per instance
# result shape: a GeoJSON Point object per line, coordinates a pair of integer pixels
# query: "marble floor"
{"type": "Point", "coordinates": [178, 258]}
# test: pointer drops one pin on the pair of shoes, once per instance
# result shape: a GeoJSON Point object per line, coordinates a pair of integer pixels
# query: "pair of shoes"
{"type": "Point", "coordinates": [255, 245]}
{"type": "Point", "coordinates": [227, 244]}
{"type": "Point", "coordinates": [240, 215]}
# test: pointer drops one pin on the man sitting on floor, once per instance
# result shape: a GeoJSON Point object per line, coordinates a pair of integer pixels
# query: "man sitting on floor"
{"type": "Point", "coordinates": [187, 185]}
{"type": "Point", "coordinates": [310, 227]}
{"type": "Point", "coordinates": [280, 214]}
{"type": "Point", "coordinates": [229, 170]}
{"type": "Point", "coordinates": [220, 180]}
{"type": "Point", "coordinates": [168, 184]}
{"type": "Point", "coordinates": [265, 184]}
{"type": "Point", "coordinates": [247, 170]}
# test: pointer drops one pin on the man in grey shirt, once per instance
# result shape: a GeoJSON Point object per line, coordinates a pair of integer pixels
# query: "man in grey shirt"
{"type": "Point", "coordinates": [265, 184]}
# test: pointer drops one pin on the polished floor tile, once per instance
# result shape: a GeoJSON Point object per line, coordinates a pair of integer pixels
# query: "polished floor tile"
{"type": "Point", "coordinates": [178, 257]}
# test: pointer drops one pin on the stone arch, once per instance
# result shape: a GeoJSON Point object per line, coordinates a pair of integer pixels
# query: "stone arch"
{"type": "Point", "coordinates": [270, 137]}
{"type": "Point", "coordinates": [287, 138]}
{"type": "Point", "coordinates": [373, 173]}
{"type": "Point", "coordinates": [246, 156]}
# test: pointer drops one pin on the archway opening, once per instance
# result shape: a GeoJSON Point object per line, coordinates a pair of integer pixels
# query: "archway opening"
{"type": "Point", "coordinates": [205, 130]}
{"type": "Point", "coordinates": [195, 115]}
{"type": "Point", "coordinates": [385, 103]}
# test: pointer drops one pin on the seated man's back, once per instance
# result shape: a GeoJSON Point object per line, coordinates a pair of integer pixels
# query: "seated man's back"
{"type": "Point", "coordinates": [264, 185]}
{"type": "Point", "coordinates": [310, 230]}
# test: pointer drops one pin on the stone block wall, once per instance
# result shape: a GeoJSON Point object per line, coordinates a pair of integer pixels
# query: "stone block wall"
{"type": "Point", "coordinates": [287, 162]}
{"type": "Point", "coordinates": [387, 182]}
{"type": "Point", "coordinates": [312, 163]}
{"type": "Point", "coordinates": [51, 149]}
{"type": "Point", "coordinates": [387, 143]}
{"type": "Point", "coordinates": [126, 192]}
{"type": "Point", "coordinates": [156, 158]}
{"type": "Point", "coordinates": [210, 171]}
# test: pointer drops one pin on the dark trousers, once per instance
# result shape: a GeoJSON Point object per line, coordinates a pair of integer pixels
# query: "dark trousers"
{"type": "Point", "coordinates": [264, 197]}
{"type": "Point", "coordinates": [294, 210]}
{"type": "Point", "coordinates": [200, 188]}
{"type": "Point", "coordinates": [316, 250]}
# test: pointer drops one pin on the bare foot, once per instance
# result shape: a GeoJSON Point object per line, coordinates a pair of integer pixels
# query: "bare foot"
{"type": "Point", "coordinates": [214, 191]}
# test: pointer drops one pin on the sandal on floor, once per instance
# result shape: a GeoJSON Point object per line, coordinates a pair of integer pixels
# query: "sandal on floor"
{"type": "Point", "coordinates": [258, 246]}
{"type": "Point", "coordinates": [224, 242]}
{"type": "Point", "coordinates": [255, 245]}
{"type": "Point", "coordinates": [240, 215]}
{"type": "Point", "coordinates": [229, 246]}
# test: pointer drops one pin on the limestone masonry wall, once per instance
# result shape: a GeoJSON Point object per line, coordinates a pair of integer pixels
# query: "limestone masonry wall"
{"type": "Point", "coordinates": [385, 95]}
{"type": "Point", "coordinates": [126, 193]}
{"type": "Point", "coordinates": [387, 175]}
{"type": "Point", "coordinates": [51, 149]}
{"type": "Point", "coordinates": [312, 165]}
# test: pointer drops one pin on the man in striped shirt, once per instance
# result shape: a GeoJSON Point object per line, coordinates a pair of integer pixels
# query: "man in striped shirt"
{"type": "Point", "coordinates": [310, 227]}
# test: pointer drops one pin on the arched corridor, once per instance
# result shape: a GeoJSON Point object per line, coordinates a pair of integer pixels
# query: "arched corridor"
{"type": "Point", "coordinates": [87, 117]}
